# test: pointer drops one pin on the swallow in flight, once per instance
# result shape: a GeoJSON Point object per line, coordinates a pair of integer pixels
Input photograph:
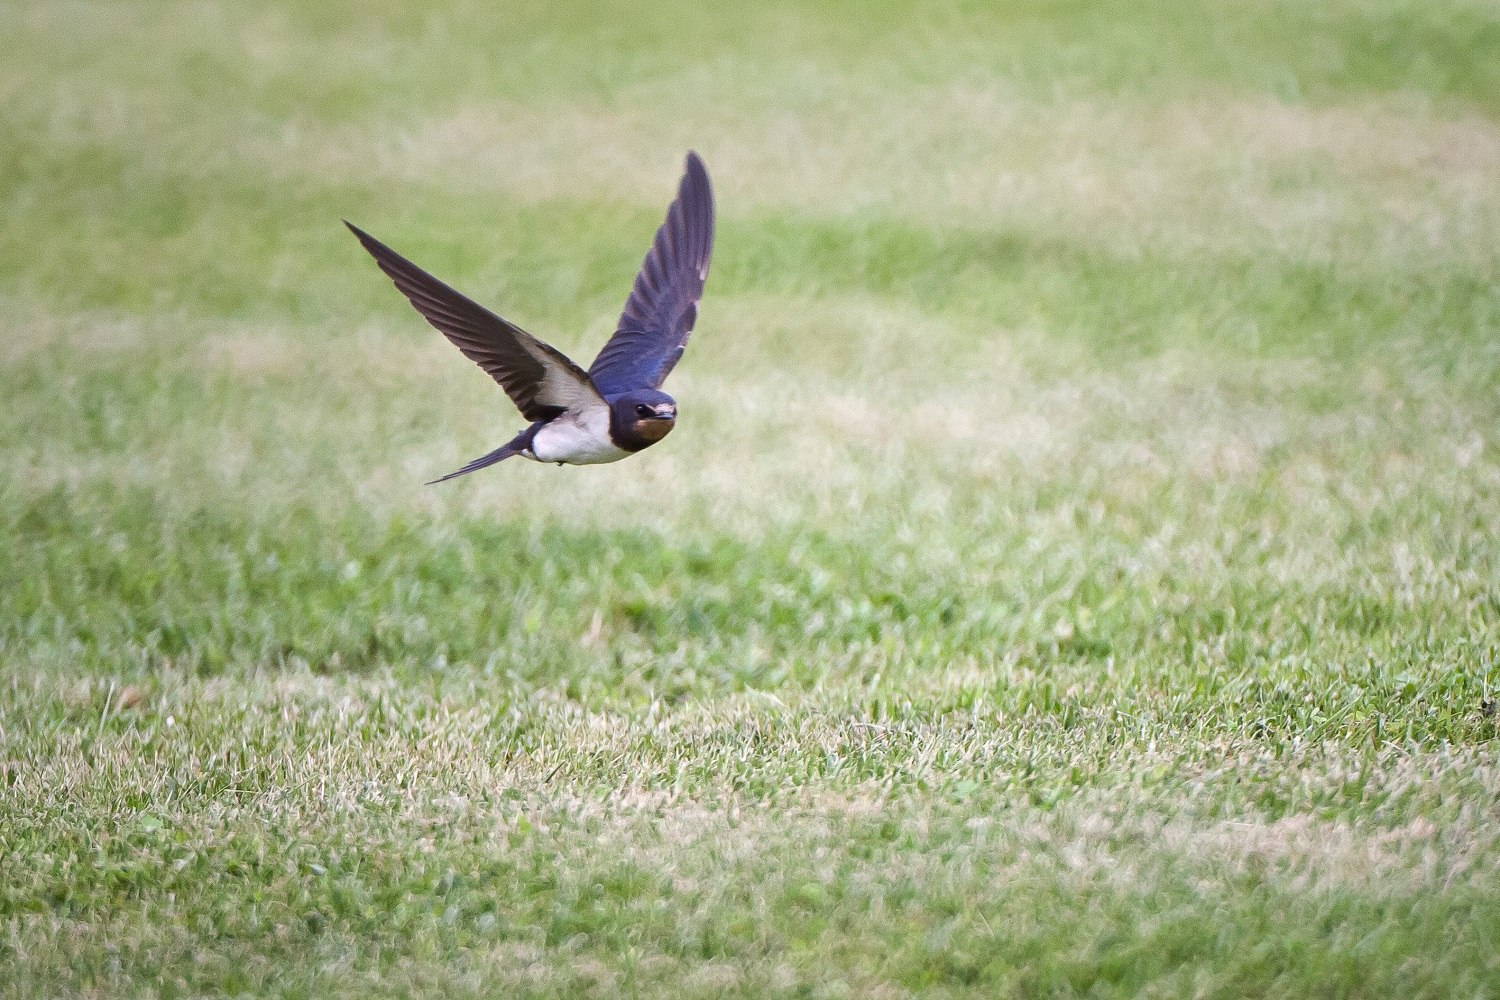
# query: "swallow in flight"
{"type": "Point", "coordinates": [616, 407]}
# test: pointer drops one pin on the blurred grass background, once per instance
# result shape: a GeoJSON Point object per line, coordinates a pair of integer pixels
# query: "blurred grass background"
{"type": "Point", "coordinates": [1074, 571]}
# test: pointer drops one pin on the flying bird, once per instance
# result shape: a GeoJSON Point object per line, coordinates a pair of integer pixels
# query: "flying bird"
{"type": "Point", "coordinates": [616, 407]}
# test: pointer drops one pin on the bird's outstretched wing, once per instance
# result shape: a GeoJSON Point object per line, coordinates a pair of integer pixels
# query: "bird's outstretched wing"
{"type": "Point", "coordinates": [663, 305]}
{"type": "Point", "coordinates": [539, 379]}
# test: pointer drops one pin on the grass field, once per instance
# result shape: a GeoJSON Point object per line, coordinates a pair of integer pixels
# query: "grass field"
{"type": "Point", "coordinates": [1075, 572]}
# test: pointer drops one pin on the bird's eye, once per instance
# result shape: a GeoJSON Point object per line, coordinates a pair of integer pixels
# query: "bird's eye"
{"type": "Point", "coordinates": [643, 410]}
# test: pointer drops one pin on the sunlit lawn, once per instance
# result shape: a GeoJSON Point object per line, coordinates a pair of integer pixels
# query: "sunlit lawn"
{"type": "Point", "coordinates": [1074, 572]}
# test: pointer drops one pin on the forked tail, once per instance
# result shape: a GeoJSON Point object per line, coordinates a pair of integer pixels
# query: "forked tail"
{"type": "Point", "coordinates": [500, 454]}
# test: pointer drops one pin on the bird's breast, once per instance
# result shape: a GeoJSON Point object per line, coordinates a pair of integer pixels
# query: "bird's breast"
{"type": "Point", "coordinates": [577, 439]}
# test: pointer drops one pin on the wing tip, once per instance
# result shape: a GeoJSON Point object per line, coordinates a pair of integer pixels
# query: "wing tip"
{"type": "Point", "coordinates": [695, 200]}
{"type": "Point", "coordinates": [693, 167]}
{"type": "Point", "coordinates": [375, 248]}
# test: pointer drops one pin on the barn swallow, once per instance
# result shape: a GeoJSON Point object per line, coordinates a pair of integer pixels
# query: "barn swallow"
{"type": "Point", "coordinates": [616, 407]}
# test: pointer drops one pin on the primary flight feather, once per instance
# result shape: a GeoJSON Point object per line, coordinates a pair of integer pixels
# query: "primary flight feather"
{"type": "Point", "coordinates": [616, 407]}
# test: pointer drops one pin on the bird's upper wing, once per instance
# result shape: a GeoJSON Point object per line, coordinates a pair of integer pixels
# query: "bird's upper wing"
{"type": "Point", "coordinates": [663, 305]}
{"type": "Point", "coordinates": [539, 379]}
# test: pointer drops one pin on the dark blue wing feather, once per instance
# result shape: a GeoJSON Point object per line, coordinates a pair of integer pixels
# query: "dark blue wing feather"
{"type": "Point", "coordinates": [663, 304]}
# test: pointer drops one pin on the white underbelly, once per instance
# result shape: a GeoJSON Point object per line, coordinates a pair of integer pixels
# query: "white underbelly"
{"type": "Point", "coordinates": [578, 439]}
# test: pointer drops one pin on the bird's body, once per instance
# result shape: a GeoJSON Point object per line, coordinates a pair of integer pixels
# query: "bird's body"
{"type": "Point", "coordinates": [575, 439]}
{"type": "Point", "coordinates": [616, 408]}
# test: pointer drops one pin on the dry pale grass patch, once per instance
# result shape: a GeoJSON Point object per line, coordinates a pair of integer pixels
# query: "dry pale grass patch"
{"type": "Point", "coordinates": [1226, 174]}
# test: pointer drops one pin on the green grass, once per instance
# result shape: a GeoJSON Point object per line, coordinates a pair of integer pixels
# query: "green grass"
{"type": "Point", "coordinates": [1075, 572]}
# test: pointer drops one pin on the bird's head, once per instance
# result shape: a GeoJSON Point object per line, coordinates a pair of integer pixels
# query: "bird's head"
{"type": "Point", "coordinates": [643, 416]}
